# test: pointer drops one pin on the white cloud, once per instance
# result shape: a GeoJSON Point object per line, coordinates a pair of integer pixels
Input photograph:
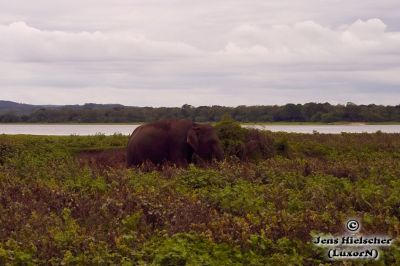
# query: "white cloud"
{"type": "Point", "coordinates": [225, 52]}
{"type": "Point", "coordinates": [310, 42]}
{"type": "Point", "coordinates": [298, 43]}
{"type": "Point", "coordinates": [21, 42]}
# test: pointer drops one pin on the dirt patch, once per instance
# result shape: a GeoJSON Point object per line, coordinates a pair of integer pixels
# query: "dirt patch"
{"type": "Point", "coordinates": [114, 158]}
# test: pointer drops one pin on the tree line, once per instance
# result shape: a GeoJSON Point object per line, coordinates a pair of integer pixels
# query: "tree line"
{"type": "Point", "coordinates": [309, 112]}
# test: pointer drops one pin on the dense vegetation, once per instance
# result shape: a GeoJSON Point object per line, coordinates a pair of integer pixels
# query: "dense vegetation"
{"type": "Point", "coordinates": [309, 112]}
{"type": "Point", "coordinates": [70, 200]}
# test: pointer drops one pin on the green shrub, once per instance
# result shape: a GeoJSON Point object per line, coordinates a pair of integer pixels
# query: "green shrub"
{"type": "Point", "coordinates": [56, 209]}
{"type": "Point", "coordinates": [191, 250]}
{"type": "Point", "coordinates": [245, 144]}
{"type": "Point", "coordinates": [232, 137]}
{"type": "Point", "coordinates": [239, 198]}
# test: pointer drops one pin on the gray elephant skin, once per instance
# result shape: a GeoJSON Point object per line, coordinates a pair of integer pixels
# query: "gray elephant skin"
{"type": "Point", "coordinates": [173, 141]}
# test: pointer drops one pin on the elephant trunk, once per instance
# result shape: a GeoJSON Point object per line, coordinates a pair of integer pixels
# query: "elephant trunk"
{"type": "Point", "coordinates": [219, 154]}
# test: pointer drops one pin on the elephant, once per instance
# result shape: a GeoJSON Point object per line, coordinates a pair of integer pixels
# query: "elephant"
{"type": "Point", "coordinates": [174, 141]}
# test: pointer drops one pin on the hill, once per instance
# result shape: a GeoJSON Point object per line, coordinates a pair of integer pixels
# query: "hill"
{"type": "Point", "coordinates": [8, 106]}
{"type": "Point", "coordinates": [23, 108]}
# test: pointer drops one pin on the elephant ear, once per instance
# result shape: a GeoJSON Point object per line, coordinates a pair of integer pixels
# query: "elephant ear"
{"type": "Point", "coordinates": [192, 138]}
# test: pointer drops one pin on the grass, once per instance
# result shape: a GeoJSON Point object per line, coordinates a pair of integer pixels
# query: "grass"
{"type": "Point", "coordinates": [319, 123]}
{"type": "Point", "coordinates": [67, 201]}
{"type": "Point", "coordinates": [72, 123]}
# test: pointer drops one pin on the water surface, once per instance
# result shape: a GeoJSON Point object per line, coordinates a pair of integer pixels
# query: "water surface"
{"type": "Point", "coordinates": [126, 129]}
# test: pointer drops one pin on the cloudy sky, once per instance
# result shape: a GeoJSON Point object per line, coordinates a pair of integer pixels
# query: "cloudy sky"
{"type": "Point", "coordinates": [225, 52]}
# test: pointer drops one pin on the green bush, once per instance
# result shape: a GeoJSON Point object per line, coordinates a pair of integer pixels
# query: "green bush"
{"type": "Point", "coordinates": [57, 208]}
{"type": "Point", "coordinates": [245, 144]}
{"type": "Point", "coordinates": [190, 249]}
{"type": "Point", "coordinates": [232, 137]}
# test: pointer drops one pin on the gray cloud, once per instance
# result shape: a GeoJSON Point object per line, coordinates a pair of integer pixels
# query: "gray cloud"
{"type": "Point", "coordinates": [202, 53]}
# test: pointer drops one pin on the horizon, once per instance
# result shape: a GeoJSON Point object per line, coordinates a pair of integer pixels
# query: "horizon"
{"type": "Point", "coordinates": [196, 106]}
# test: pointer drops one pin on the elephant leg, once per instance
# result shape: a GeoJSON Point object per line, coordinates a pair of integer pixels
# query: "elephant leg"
{"type": "Point", "coordinates": [178, 158]}
{"type": "Point", "coordinates": [181, 162]}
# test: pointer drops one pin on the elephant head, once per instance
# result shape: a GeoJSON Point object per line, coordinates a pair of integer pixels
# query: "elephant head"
{"type": "Point", "coordinates": [204, 142]}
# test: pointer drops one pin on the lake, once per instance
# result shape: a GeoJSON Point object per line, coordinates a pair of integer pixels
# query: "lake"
{"type": "Point", "coordinates": [109, 129]}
